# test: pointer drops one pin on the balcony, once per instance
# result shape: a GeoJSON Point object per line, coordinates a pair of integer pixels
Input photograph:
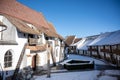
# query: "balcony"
{"type": "Point", "coordinates": [33, 41]}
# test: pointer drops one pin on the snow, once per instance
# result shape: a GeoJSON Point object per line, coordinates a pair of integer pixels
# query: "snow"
{"type": "Point", "coordinates": [78, 44]}
{"type": "Point", "coordinates": [107, 78]}
{"type": "Point", "coordinates": [84, 45]}
{"type": "Point", "coordinates": [108, 39]}
{"type": "Point", "coordinates": [86, 75]}
{"type": "Point", "coordinates": [112, 72]}
{"type": "Point", "coordinates": [83, 74]}
{"type": "Point", "coordinates": [101, 37]}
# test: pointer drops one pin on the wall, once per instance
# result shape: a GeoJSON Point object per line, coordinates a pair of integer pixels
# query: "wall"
{"type": "Point", "coordinates": [11, 34]}
{"type": "Point", "coordinates": [42, 60]}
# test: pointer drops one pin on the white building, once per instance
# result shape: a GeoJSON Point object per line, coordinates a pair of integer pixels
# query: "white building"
{"type": "Point", "coordinates": [24, 38]}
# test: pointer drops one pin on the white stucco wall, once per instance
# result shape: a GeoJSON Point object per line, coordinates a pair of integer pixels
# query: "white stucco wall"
{"type": "Point", "coordinates": [11, 34]}
{"type": "Point", "coordinates": [42, 60]}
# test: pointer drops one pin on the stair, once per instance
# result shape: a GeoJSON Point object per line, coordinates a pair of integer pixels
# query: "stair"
{"type": "Point", "coordinates": [19, 63]}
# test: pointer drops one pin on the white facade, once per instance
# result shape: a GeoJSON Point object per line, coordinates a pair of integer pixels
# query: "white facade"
{"type": "Point", "coordinates": [13, 40]}
{"type": "Point", "coordinates": [11, 36]}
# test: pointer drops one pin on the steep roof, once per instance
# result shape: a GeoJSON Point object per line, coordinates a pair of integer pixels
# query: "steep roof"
{"type": "Point", "coordinates": [69, 40]}
{"type": "Point", "coordinates": [60, 37]}
{"type": "Point", "coordinates": [21, 26]}
{"type": "Point", "coordinates": [77, 39]}
{"type": "Point", "coordinates": [52, 31]}
{"type": "Point", "coordinates": [51, 27]}
{"type": "Point", "coordinates": [16, 9]}
{"type": "Point", "coordinates": [19, 11]}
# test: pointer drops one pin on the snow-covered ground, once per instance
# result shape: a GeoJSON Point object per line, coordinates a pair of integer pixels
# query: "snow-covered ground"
{"type": "Point", "coordinates": [83, 75]}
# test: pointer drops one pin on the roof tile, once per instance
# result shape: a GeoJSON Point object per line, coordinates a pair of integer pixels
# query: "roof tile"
{"type": "Point", "coordinates": [16, 9]}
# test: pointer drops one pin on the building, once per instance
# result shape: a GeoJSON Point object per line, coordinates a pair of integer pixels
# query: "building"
{"type": "Point", "coordinates": [70, 42]}
{"type": "Point", "coordinates": [26, 40]}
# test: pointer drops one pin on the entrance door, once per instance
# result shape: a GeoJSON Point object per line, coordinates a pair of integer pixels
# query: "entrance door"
{"type": "Point", "coordinates": [34, 62]}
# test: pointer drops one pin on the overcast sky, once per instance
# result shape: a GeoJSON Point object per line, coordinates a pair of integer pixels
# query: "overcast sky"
{"type": "Point", "coordinates": [79, 17]}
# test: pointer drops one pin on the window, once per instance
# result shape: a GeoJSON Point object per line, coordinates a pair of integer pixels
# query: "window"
{"type": "Point", "coordinates": [8, 59]}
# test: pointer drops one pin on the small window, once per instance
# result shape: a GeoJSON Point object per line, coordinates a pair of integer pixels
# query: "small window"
{"type": "Point", "coordinates": [8, 59]}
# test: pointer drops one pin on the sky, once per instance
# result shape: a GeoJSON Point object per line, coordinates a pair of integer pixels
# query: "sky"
{"type": "Point", "coordinates": [79, 17]}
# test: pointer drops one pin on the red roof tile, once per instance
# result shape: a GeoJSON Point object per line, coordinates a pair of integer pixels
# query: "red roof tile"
{"type": "Point", "coordinates": [16, 9]}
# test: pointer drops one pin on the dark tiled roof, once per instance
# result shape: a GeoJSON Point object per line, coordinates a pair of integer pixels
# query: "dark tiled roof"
{"type": "Point", "coordinates": [16, 9]}
{"type": "Point", "coordinates": [69, 40]}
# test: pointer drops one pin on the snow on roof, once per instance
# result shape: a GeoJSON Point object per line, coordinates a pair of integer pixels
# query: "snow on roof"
{"type": "Point", "coordinates": [108, 39]}
{"type": "Point", "coordinates": [101, 37]}
{"type": "Point", "coordinates": [78, 44]}
{"type": "Point", "coordinates": [85, 44]}
{"type": "Point", "coordinates": [82, 45]}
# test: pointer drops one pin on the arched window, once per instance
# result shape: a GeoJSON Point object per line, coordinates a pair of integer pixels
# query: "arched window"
{"type": "Point", "coordinates": [8, 59]}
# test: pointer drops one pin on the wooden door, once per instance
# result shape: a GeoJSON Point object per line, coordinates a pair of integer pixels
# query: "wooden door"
{"type": "Point", "coordinates": [34, 62]}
